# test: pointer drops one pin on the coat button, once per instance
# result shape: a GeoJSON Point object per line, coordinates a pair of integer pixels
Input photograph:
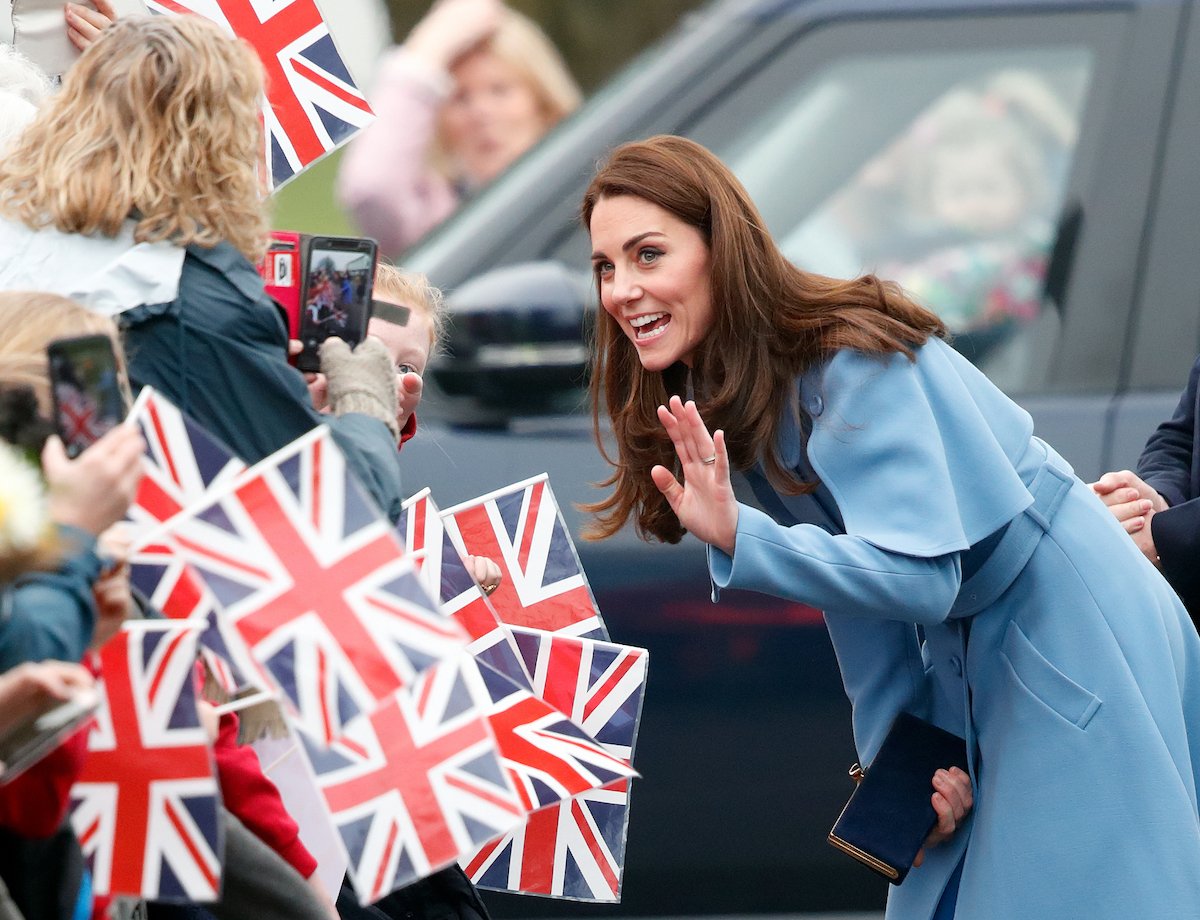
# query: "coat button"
{"type": "Point", "coordinates": [956, 666]}
{"type": "Point", "coordinates": [816, 405]}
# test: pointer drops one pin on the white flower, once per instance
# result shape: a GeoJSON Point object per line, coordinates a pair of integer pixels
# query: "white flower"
{"type": "Point", "coordinates": [23, 515]}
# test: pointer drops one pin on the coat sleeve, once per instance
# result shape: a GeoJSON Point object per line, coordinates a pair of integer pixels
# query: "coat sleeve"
{"type": "Point", "coordinates": [918, 456]}
{"type": "Point", "coordinates": [872, 599]}
{"type": "Point", "coordinates": [1167, 460]}
{"type": "Point", "coordinates": [386, 180]}
{"type": "Point", "coordinates": [1176, 533]}
{"type": "Point", "coordinates": [841, 573]}
{"type": "Point", "coordinates": [50, 615]}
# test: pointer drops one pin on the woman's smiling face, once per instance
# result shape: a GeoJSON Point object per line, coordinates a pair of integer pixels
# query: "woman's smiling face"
{"type": "Point", "coordinates": [654, 275]}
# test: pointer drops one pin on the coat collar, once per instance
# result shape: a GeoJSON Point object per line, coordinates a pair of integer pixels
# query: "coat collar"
{"type": "Point", "coordinates": [106, 275]}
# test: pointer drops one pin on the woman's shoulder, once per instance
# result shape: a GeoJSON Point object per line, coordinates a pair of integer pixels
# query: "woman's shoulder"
{"type": "Point", "coordinates": [223, 265]}
{"type": "Point", "coordinates": [930, 361]}
{"type": "Point", "coordinates": [107, 275]}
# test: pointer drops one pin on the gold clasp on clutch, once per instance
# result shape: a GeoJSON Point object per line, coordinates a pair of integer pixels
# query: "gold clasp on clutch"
{"type": "Point", "coordinates": [857, 773]}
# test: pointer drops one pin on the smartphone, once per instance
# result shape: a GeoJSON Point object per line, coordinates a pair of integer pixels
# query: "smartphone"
{"type": "Point", "coordinates": [85, 384]}
{"type": "Point", "coordinates": [339, 279]}
{"type": "Point", "coordinates": [24, 745]}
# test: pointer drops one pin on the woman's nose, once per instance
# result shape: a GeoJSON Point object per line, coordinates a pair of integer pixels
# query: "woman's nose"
{"type": "Point", "coordinates": [625, 288]}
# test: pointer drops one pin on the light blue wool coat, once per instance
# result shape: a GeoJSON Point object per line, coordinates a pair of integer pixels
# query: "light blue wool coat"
{"type": "Point", "coordinates": [1080, 681]}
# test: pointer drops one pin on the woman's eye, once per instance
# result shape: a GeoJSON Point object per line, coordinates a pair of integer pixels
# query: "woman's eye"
{"type": "Point", "coordinates": [405, 369]}
{"type": "Point", "coordinates": [603, 268]}
{"type": "Point", "coordinates": [648, 256]}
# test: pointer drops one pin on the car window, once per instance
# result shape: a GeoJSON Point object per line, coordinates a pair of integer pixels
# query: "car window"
{"type": "Point", "coordinates": [942, 152]}
{"type": "Point", "coordinates": [944, 172]}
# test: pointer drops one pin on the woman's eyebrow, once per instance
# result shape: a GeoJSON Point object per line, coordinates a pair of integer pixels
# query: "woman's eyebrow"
{"type": "Point", "coordinates": [630, 243]}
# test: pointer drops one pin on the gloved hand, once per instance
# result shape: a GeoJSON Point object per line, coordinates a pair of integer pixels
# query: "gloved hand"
{"type": "Point", "coordinates": [362, 380]}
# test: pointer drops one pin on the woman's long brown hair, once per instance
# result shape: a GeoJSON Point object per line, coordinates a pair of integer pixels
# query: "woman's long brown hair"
{"type": "Point", "coordinates": [772, 322]}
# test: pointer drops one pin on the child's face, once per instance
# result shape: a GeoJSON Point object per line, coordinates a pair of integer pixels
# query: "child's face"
{"type": "Point", "coordinates": [975, 189]}
{"type": "Point", "coordinates": [407, 345]}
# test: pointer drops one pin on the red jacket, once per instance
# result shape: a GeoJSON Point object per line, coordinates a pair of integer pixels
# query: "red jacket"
{"type": "Point", "coordinates": [255, 801]}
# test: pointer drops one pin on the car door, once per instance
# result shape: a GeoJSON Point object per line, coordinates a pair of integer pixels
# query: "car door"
{"type": "Point", "coordinates": [1164, 333]}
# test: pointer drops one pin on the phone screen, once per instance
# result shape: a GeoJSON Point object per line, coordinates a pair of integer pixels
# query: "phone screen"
{"type": "Point", "coordinates": [337, 293]}
{"type": "Point", "coordinates": [86, 388]}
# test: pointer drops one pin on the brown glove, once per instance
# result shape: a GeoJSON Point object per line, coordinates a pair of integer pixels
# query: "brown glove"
{"type": "Point", "coordinates": [362, 380]}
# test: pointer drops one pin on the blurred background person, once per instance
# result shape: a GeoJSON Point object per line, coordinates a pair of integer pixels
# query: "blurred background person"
{"type": "Point", "coordinates": [473, 87]}
{"type": "Point", "coordinates": [977, 188]}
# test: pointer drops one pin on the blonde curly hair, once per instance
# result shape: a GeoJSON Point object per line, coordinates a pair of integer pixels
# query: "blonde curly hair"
{"type": "Point", "coordinates": [158, 121]}
{"type": "Point", "coordinates": [413, 290]}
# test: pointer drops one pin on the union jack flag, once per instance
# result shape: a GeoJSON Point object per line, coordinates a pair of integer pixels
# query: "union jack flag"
{"type": "Point", "coordinates": [182, 463]}
{"type": "Point", "coordinates": [442, 570]}
{"type": "Point", "coordinates": [315, 584]}
{"type": "Point", "coordinates": [416, 784]}
{"type": "Point", "coordinates": [598, 684]}
{"type": "Point", "coordinates": [548, 757]}
{"type": "Point", "coordinates": [574, 849]}
{"type": "Point", "coordinates": [146, 804]}
{"type": "Point", "coordinates": [313, 105]}
{"type": "Point", "coordinates": [520, 528]}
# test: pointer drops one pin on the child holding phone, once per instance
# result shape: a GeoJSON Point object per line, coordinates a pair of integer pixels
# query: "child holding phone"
{"type": "Point", "coordinates": [407, 318]}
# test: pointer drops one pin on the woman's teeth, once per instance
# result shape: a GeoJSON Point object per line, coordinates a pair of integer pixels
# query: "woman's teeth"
{"type": "Point", "coordinates": [649, 326]}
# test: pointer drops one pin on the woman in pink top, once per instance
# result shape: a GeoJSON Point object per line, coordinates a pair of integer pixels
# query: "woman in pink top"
{"type": "Point", "coordinates": [473, 87]}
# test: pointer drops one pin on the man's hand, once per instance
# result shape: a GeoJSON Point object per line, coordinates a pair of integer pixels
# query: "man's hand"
{"type": "Point", "coordinates": [1133, 503]}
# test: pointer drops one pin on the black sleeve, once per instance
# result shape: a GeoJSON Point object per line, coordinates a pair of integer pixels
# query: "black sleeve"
{"type": "Point", "coordinates": [1176, 533]}
{"type": "Point", "coordinates": [1166, 461]}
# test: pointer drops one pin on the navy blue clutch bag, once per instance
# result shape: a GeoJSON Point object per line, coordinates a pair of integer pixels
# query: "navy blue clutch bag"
{"type": "Point", "coordinates": [889, 815]}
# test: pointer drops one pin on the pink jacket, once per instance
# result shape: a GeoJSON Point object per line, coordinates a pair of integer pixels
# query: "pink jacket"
{"type": "Point", "coordinates": [386, 181]}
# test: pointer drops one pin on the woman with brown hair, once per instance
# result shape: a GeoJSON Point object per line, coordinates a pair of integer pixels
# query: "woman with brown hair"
{"type": "Point", "coordinates": [966, 575]}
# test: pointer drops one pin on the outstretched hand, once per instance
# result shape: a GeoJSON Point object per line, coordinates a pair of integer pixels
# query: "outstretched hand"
{"type": "Point", "coordinates": [704, 501]}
